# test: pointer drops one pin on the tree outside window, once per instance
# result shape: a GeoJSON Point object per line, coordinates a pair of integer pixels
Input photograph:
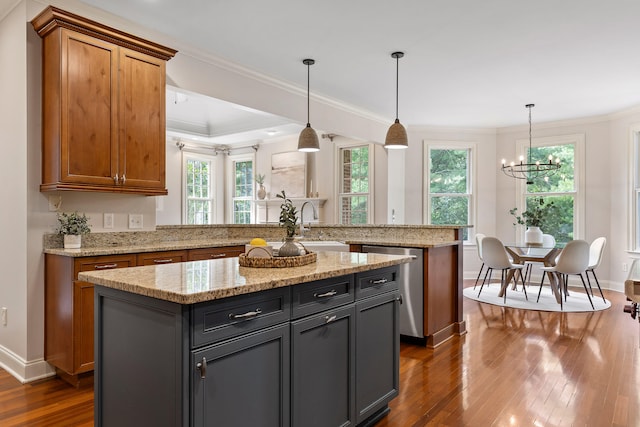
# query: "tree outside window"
{"type": "Point", "coordinates": [559, 188]}
{"type": "Point", "coordinates": [243, 191]}
{"type": "Point", "coordinates": [198, 190]}
{"type": "Point", "coordinates": [449, 187]}
{"type": "Point", "coordinates": [355, 187]}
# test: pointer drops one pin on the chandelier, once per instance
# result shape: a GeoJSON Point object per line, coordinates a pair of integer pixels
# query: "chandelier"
{"type": "Point", "coordinates": [530, 170]}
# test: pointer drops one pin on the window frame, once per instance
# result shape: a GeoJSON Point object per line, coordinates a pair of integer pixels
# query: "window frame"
{"type": "Point", "coordinates": [231, 160]}
{"type": "Point", "coordinates": [578, 140]}
{"type": "Point", "coordinates": [633, 242]}
{"type": "Point", "coordinates": [338, 147]}
{"type": "Point", "coordinates": [186, 156]}
{"type": "Point", "coordinates": [472, 185]}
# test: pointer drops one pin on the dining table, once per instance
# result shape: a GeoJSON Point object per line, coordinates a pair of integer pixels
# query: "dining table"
{"type": "Point", "coordinates": [522, 252]}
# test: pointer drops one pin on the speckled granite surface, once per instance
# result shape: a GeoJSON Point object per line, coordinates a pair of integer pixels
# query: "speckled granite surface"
{"type": "Point", "coordinates": [198, 281]}
{"type": "Point", "coordinates": [174, 237]}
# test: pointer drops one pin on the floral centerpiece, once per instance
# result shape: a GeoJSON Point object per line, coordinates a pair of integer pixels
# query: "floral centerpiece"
{"type": "Point", "coordinates": [72, 226]}
{"type": "Point", "coordinates": [261, 190]}
{"type": "Point", "coordinates": [534, 217]}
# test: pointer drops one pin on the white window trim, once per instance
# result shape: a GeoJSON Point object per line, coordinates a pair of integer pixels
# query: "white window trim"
{"type": "Point", "coordinates": [473, 202]}
{"type": "Point", "coordinates": [231, 158]}
{"type": "Point", "coordinates": [633, 240]}
{"type": "Point", "coordinates": [578, 139]}
{"type": "Point", "coordinates": [338, 168]}
{"type": "Point", "coordinates": [195, 155]}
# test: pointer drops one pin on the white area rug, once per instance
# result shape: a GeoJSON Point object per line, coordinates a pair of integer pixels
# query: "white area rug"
{"type": "Point", "coordinates": [576, 301]}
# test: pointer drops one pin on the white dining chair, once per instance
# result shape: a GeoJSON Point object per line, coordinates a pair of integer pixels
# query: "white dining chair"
{"type": "Point", "coordinates": [548, 242]}
{"type": "Point", "coordinates": [595, 258]}
{"type": "Point", "coordinates": [479, 237]}
{"type": "Point", "coordinates": [495, 257]}
{"type": "Point", "coordinates": [573, 260]}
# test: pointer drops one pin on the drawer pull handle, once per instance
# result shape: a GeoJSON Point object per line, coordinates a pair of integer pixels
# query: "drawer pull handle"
{"type": "Point", "coordinates": [328, 319]}
{"type": "Point", "coordinates": [247, 315]}
{"type": "Point", "coordinates": [105, 266]}
{"type": "Point", "coordinates": [115, 179]}
{"type": "Point", "coordinates": [331, 293]}
{"type": "Point", "coordinates": [202, 367]}
{"type": "Point", "coordinates": [218, 255]}
{"type": "Point", "coordinates": [399, 299]}
{"type": "Point", "coordinates": [163, 261]}
{"type": "Point", "coordinates": [379, 281]}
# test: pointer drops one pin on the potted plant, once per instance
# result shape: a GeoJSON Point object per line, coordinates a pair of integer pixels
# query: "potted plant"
{"type": "Point", "coordinates": [288, 220]}
{"type": "Point", "coordinates": [72, 226]}
{"type": "Point", "coordinates": [534, 218]}
{"type": "Point", "coordinates": [261, 190]}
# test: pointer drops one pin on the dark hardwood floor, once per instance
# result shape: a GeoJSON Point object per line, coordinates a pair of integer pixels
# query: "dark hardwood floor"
{"type": "Point", "coordinates": [513, 368]}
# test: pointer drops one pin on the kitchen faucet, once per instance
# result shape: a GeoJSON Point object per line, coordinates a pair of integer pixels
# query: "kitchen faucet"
{"type": "Point", "coordinates": [315, 216]}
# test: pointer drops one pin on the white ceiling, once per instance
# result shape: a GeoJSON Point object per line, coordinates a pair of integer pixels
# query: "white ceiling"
{"type": "Point", "coordinates": [467, 62]}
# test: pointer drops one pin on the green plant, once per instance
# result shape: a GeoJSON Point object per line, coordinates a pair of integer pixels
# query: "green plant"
{"type": "Point", "coordinates": [73, 223]}
{"type": "Point", "coordinates": [536, 214]}
{"type": "Point", "coordinates": [288, 214]}
{"type": "Point", "coordinates": [260, 179]}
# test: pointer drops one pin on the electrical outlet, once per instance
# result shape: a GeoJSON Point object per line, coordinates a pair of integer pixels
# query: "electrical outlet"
{"type": "Point", "coordinates": [107, 220]}
{"type": "Point", "coordinates": [135, 221]}
{"type": "Point", "coordinates": [3, 315]}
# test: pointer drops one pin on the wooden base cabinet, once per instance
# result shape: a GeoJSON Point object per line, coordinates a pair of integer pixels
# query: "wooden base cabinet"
{"type": "Point", "coordinates": [283, 357]}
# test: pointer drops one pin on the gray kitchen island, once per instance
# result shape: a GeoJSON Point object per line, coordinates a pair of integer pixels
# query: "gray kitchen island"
{"type": "Point", "coordinates": [212, 343]}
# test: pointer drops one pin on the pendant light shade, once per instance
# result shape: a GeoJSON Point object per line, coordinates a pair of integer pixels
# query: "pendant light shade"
{"type": "Point", "coordinates": [308, 140]}
{"type": "Point", "coordinates": [397, 134]}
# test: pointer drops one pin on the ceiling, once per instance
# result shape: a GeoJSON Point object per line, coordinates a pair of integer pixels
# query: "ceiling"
{"type": "Point", "coordinates": [467, 63]}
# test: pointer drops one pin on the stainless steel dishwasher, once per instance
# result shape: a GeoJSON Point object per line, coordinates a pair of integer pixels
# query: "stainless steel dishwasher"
{"type": "Point", "coordinates": [411, 288]}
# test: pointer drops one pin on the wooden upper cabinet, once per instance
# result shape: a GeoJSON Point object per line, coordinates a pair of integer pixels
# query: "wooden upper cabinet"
{"type": "Point", "coordinates": [103, 107]}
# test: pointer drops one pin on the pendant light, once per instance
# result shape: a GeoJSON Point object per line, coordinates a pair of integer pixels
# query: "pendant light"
{"type": "Point", "coordinates": [531, 170]}
{"type": "Point", "coordinates": [397, 134]}
{"type": "Point", "coordinates": [308, 140]}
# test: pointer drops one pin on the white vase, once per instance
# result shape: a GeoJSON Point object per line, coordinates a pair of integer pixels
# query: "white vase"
{"type": "Point", "coordinates": [533, 236]}
{"type": "Point", "coordinates": [72, 241]}
{"type": "Point", "coordinates": [262, 192]}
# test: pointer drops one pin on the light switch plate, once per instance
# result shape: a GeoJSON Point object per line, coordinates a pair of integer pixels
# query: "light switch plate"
{"type": "Point", "coordinates": [135, 221]}
{"type": "Point", "coordinates": [107, 220]}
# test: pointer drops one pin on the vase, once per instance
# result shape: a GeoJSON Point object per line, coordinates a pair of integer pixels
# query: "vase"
{"type": "Point", "coordinates": [533, 236]}
{"type": "Point", "coordinates": [289, 248]}
{"type": "Point", "coordinates": [262, 192]}
{"type": "Point", "coordinates": [72, 241]}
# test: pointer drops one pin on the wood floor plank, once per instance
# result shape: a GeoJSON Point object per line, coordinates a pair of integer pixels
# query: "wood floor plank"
{"type": "Point", "coordinates": [512, 368]}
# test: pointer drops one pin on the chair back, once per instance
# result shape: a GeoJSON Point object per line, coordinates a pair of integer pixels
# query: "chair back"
{"type": "Point", "coordinates": [548, 242]}
{"type": "Point", "coordinates": [494, 254]}
{"type": "Point", "coordinates": [574, 258]}
{"type": "Point", "coordinates": [479, 237]}
{"type": "Point", "coordinates": [595, 252]}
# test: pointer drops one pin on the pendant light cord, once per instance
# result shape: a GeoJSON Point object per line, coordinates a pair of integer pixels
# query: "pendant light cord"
{"type": "Point", "coordinates": [397, 79]}
{"type": "Point", "coordinates": [308, 78]}
{"type": "Point", "coordinates": [529, 154]}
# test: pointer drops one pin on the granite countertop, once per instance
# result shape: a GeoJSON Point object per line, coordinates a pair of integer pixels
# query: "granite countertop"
{"type": "Point", "coordinates": [198, 281]}
{"type": "Point", "coordinates": [403, 243]}
{"type": "Point", "coordinates": [151, 247]}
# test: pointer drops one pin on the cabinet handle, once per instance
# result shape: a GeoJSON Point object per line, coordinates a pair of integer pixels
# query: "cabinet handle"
{"type": "Point", "coordinates": [124, 178]}
{"type": "Point", "coordinates": [379, 281]}
{"type": "Point", "coordinates": [218, 255]}
{"type": "Point", "coordinates": [331, 293]}
{"type": "Point", "coordinates": [328, 319]}
{"type": "Point", "coordinates": [400, 299]}
{"type": "Point", "coordinates": [115, 179]}
{"type": "Point", "coordinates": [105, 266]}
{"type": "Point", "coordinates": [202, 367]}
{"type": "Point", "coordinates": [163, 261]}
{"type": "Point", "coordinates": [247, 315]}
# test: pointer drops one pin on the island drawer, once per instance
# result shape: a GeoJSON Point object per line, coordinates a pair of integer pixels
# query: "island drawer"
{"type": "Point", "coordinates": [214, 321]}
{"type": "Point", "coordinates": [375, 282]}
{"type": "Point", "coordinates": [314, 297]}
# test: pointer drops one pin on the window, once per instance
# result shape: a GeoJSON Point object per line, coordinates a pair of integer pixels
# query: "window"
{"type": "Point", "coordinates": [449, 185]}
{"type": "Point", "coordinates": [561, 188]}
{"type": "Point", "coordinates": [355, 190]}
{"type": "Point", "coordinates": [198, 189]}
{"type": "Point", "coordinates": [636, 189]}
{"type": "Point", "coordinates": [242, 191]}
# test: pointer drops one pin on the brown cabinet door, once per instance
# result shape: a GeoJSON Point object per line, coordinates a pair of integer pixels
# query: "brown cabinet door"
{"type": "Point", "coordinates": [214, 253]}
{"type": "Point", "coordinates": [141, 120]}
{"type": "Point", "coordinates": [165, 257]}
{"type": "Point", "coordinates": [88, 94]}
{"type": "Point", "coordinates": [83, 330]}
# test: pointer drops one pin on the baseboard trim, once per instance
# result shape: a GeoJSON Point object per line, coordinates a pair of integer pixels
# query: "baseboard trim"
{"type": "Point", "coordinates": [24, 371]}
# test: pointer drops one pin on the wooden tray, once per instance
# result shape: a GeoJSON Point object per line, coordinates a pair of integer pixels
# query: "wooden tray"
{"type": "Point", "coordinates": [277, 261]}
